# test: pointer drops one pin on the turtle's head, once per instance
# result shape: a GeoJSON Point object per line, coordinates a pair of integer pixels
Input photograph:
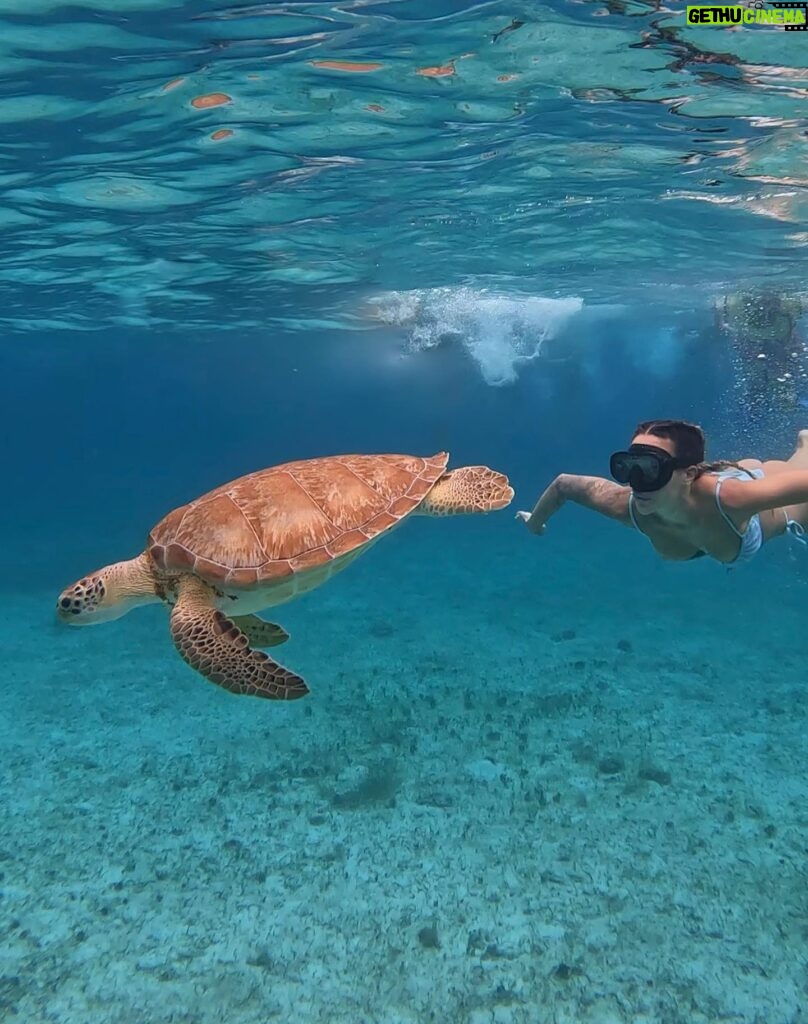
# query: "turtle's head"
{"type": "Point", "coordinates": [107, 593]}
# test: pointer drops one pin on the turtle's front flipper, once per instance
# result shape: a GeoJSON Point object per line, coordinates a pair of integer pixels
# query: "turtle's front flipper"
{"type": "Point", "coordinates": [468, 489]}
{"type": "Point", "coordinates": [259, 632]}
{"type": "Point", "coordinates": [214, 645]}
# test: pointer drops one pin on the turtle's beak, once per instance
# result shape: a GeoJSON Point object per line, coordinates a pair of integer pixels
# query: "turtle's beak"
{"type": "Point", "coordinates": [79, 603]}
{"type": "Point", "coordinates": [68, 609]}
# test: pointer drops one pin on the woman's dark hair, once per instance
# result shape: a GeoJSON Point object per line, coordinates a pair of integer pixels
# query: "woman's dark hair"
{"type": "Point", "coordinates": [688, 442]}
{"type": "Point", "coordinates": [688, 439]}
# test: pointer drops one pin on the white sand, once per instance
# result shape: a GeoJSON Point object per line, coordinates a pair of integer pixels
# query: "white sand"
{"type": "Point", "coordinates": [475, 817]}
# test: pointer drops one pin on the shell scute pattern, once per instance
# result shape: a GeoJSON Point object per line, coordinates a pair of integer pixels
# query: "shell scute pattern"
{"type": "Point", "coordinates": [292, 518]}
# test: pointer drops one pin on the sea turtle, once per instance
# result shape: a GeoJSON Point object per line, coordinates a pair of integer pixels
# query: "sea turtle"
{"type": "Point", "coordinates": [264, 539]}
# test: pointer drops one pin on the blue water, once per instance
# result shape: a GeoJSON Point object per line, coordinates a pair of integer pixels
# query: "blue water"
{"type": "Point", "coordinates": [537, 780]}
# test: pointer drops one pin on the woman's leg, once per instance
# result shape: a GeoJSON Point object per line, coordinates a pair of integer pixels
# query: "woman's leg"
{"type": "Point", "coordinates": [799, 460]}
{"type": "Point", "coordinates": [774, 521]}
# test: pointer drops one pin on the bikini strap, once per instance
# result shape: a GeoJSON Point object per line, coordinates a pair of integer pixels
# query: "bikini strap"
{"type": "Point", "coordinates": [720, 508]}
{"type": "Point", "coordinates": [633, 514]}
{"type": "Point", "coordinates": [795, 529]}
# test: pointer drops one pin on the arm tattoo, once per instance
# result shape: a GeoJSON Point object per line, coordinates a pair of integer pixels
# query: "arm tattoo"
{"type": "Point", "coordinates": [603, 496]}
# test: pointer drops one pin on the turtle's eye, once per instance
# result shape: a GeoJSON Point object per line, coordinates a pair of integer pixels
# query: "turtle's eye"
{"type": "Point", "coordinates": [65, 602]}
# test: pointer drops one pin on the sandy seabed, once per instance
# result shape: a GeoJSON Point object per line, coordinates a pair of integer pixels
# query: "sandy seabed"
{"type": "Point", "coordinates": [509, 799]}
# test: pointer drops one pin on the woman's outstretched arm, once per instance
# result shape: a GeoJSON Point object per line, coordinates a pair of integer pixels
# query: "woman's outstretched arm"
{"type": "Point", "coordinates": [594, 492]}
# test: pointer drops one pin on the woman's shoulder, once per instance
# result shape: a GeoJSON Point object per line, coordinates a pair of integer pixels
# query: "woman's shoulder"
{"type": "Point", "coordinates": [745, 469]}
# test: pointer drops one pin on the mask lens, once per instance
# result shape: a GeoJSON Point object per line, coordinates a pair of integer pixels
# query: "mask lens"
{"type": "Point", "coordinates": [645, 475]}
{"type": "Point", "coordinates": [642, 471]}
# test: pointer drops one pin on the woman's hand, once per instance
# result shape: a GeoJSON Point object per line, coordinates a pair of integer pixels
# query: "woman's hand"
{"type": "Point", "coordinates": [532, 522]}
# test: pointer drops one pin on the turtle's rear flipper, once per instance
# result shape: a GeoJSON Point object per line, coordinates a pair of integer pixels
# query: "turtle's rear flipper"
{"type": "Point", "coordinates": [468, 489]}
{"type": "Point", "coordinates": [214, 645]}
{"type": "Point", "coordinates": [259, 632]}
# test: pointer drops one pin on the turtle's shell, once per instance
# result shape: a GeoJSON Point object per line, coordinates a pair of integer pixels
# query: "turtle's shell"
{"type": "Point", "coordinates": [292, 518]}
